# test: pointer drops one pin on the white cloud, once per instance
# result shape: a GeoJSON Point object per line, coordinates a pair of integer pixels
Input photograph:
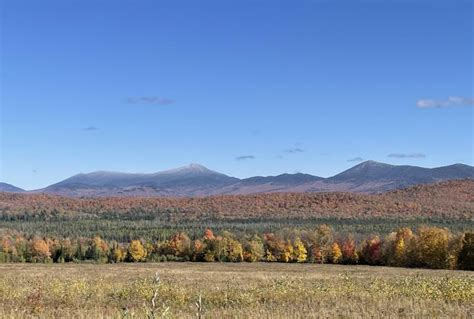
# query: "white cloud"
{"type": "Point", "coordinates": [450, 101]}
{"type": "Point", "coordinates": [244, 157]}
{"type": "Point", "coordinates": [294, 150]}
{"type": "Point", "coordinates": [90, 128]}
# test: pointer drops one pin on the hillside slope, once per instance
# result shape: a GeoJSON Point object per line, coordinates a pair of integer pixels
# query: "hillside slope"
{"type": "Point", "coordinates": [453, 199]}
{"type": "Point", "coordinates": [4, 187]}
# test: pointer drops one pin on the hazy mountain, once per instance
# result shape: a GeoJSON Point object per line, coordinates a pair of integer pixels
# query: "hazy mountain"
{"type": "Point", "coordinates": [4, 187]}
{"type": "Point", "coordinates": [188, 175]}
{"type": "Point", "coordinates": [374, 176]}
{"type": "Point", "coordinates": [197, 180]}
{"type": "Point", "coordinates": [193, 179]}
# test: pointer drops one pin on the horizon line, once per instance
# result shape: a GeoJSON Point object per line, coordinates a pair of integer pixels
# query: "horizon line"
{"type": "Point", "coordinates": [190, 165]}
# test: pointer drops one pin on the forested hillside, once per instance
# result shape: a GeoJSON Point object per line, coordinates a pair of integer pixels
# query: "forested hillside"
{"type": "Point", "coordinates": [452, 199]}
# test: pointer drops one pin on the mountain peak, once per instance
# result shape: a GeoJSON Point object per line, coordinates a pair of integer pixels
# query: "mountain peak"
{"type": "Point", "coordinates": [190, 168]}
{"type": "Point", "coordinates": [459, 165]}
{"type": "Point", "coordinates": [195, 166]}
{"type": "Point", "coordinates": [371, 163]}
{"type": "Point", "coordinates": [368, 170]}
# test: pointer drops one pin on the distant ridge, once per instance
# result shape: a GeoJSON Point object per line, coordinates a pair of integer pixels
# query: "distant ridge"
{"type": "Point", "coordinates": [4, 187]}
{"type": "Point", "coordinates": [385, 176]}
{"type": "Point", "coordinates": [197, 180]}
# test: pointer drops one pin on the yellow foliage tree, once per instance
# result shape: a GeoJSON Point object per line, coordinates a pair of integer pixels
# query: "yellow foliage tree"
{"type": "Point", "coordinates": [335, 253]}
{"type": "Point", "coordinates": [398, 247]}
{"type": "Point", "coordinates": [234, 250]}
{"type": "Point", "coordinates": [118, 253]}
{"type": "Point", "coordinates": [100, 243]}
{"type": "Point", "coordinates": [325, 236]}
{"type": "Point", "coordinates": [98, 250]}
{"type": "Point", "coordinates": [287, 253]}
{"type": "Point", "coordinates": [136, 251]}
{"type": "Point", "coordinates": [209, 256]}
{"type": "Point", "coordinates": [300, 252]}
{"type": "Point", "coordinates": [454, 248]}
{"type": "Point", "coordinates": [404, 233]}
{"type": "Point", "coordinates": [269, 256]}
{"type": "Point", "coordinates": [254, 250]}
{"type": "Point", "coordinates": [432, 247]}
{"type": "Point", "coordinates": [399, 252]}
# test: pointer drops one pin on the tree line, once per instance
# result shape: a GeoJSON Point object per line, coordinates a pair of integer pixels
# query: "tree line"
{"type": "Point", "coordinates": [428, 247]}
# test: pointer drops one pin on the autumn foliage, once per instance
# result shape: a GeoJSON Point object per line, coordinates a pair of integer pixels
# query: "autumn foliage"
{"type": "Point", "coordinates": [429, 247]}
{"type": "Point", "coordinates": [451, 199]}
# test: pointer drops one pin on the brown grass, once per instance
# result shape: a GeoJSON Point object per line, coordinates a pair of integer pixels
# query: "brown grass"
{"type": "Point", "coordinates": [256, 290]}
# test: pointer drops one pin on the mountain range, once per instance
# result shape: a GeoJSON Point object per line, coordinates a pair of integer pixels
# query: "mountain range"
{"type": "Point", "coordinates": [4, 187]}
{"type": "Point", "coordinates": [197, 180]}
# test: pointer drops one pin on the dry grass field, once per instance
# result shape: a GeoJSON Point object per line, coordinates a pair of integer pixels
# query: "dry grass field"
{"type": "Point", "coordinates": [257, 290]}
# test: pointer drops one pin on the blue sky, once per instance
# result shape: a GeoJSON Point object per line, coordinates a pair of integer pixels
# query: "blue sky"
{"type": "Point", "coordinates": [242, 87]}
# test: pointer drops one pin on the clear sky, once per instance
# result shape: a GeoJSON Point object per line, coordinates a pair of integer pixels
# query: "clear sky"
{"type": "Point", "coordinates": [242, 87]}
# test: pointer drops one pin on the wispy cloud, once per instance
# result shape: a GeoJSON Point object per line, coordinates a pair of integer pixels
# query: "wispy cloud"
{"type": "Point", "coordinates": [355, 159]}
{"type": "Point", "coordinates": [244, 157]}
{"type": "Point", "coordinates": [90, 128]}
{"type": "Point", "coordinates": [410, 155]}
{"type": "Point", "coordinates": [450, 101]}
{"type": "Point", "coordinates": [294, 150]}
{"type": "Point", "coordinates": [155, 100]}
{"type": "Point", "coordinates": [256, 132]}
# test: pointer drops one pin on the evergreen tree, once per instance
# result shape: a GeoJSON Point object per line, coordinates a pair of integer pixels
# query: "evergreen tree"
{"type": "Point", "coordinates": [466, 254]}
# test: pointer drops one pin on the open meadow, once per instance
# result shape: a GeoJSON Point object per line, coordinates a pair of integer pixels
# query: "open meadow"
{"type": "Point", "coordinates": [229, 290]}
